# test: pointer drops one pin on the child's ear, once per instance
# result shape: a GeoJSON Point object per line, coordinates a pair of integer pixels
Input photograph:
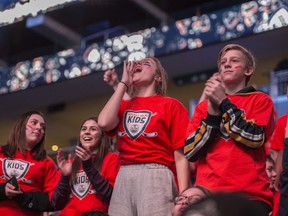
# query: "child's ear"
{"type": "Point", "coordinates": [249, 71]}
{"type": "Point", "coordinates": [158, 78]}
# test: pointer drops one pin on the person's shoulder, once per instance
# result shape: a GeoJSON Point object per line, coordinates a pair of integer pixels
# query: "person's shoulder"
{"type": "Point", "coordinates": [283, 117]}
{"type": "Point", "coordinates": [49, 161]}
{"type": "Point", "coordinates": [124, 102]}
{"type": "Point", "coordinates": [112, 156]}
{"type": "Point", "coordinates": [262, 96]}
{"type": "Point", "coordinates": [111, 160]}
{"type": "Point", "coordinates": [250, 90]}
{"type": "Point", "coordinates": [259, 92]}
{"type": "Point", "coordinates": [203, 103]}
{"type": "Point", "coordinates": [172, 100]}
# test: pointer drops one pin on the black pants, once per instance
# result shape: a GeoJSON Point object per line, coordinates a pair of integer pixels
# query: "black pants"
{"type": "Point", "coordinates": [265, 208]}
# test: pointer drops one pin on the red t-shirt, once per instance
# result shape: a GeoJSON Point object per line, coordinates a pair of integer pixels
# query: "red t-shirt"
{"type": "Point", "coordinates": [32, 175]}
{"type": "Point", "coordinates": [150, 130]}
{"type": "Point", "coordinates": [84, 197]}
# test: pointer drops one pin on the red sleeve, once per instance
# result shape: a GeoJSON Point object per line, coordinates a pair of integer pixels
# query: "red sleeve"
{"type": "Point", "coordinates": [51, 177]}
{"type": "Point", "coordinates": [110, 167]}
{"type": "Point", "coordinates": [199, 114]}
{"type": "Point", "coordinates": [113, 132]}
{"type": "Point", "coordinates": [277, 139]}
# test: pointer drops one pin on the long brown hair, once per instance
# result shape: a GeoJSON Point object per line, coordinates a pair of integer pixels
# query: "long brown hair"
{"type": "Point", "coordinates": [104, 147]}
{"type": "Point", "coordinates": [17, 138]}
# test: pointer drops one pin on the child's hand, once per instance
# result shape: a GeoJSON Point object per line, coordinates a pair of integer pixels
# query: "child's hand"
{"type": "Point", "coordinates": [64, 165]}
{"type": "Point", "coordinates": [111, 78]}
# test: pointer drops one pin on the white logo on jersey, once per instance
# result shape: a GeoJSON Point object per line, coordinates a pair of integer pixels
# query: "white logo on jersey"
{"type": "Point", "coordinates": [135, 124]}
{"type": "Point", "coordinates": [82, 185]}
{"type": "Point", "coordinates": [17, 168]}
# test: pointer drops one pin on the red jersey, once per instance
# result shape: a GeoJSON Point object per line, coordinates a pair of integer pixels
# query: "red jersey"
{"type": "Point", "coordinates": [150, 130]}
{"type": "Point", "coordinates": [276, 199]}
{"type": "Point", "coordinates": [84, 197]}
{"type": "Point", "coordinates": [276, 142]}
{"type": "Point", "coordinates": [277, 139]}
{"type": "Point", "coordinates": [229, 148]}
{"type": "Point", "coordinates": [32, 175]}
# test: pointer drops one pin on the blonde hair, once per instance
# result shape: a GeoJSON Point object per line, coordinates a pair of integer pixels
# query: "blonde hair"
{"type": "Point", "coordinates": [161, 87]}
{"type": "Point", "coordinates": [250, 59]}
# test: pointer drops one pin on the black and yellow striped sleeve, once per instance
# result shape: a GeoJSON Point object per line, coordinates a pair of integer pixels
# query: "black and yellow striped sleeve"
{"type": "Point", "coordinates": [242, 130]}
{"type": "Point", "coordinates": [198, 141]}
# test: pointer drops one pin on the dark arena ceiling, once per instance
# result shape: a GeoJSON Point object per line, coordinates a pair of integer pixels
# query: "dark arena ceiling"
{"type": "Point", "coordinates": [17, 42]}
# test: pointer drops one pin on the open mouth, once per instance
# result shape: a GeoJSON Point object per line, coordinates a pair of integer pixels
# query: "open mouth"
{"type": "Point", "coordinates": [137, 69]}
{"type": "Point", "coordinates": [87, 138]}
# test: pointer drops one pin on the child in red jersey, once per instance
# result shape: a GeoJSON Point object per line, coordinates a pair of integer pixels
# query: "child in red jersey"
{"type": "Point", "coordinates": [272, 175]}
{"type": "Point", "coordinates": [276, 143]}
{"type": "Point", "coordinates": [87, 180]}
{"type": "Point", "coordinates": [279, 146]}
{"type": "Point", "coordinates": [271, 171]}
{"type": "Point", "coordinates": [24, 159]}
{"type": "Point", "coordinates": [150, 139]}
{"type": "Point", "coordinates": [227, 131]}
{"type": "Point", "coordinates": [283, 204]}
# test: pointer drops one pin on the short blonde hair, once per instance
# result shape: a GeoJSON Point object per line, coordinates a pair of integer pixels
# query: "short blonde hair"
{"type": "Point", "coordinates": [250, 59]}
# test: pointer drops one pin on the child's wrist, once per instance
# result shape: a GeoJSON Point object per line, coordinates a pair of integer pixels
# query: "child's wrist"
{"type": "Point", "coordinates": [124, 84]}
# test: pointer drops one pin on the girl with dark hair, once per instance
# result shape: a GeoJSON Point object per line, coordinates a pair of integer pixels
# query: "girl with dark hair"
{"type": "Point", "coordinates": [87, 179]}
{"type": "Point", "coordinates": [27, 174]}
